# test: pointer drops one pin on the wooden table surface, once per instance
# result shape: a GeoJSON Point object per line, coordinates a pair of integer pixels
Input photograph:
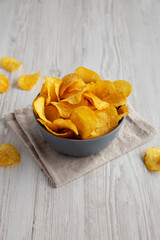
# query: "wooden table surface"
{"type": "Point", "coordinates": [119, 40]}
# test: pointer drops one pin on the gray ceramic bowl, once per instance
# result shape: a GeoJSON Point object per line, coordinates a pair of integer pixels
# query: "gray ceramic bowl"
{"type": "Point", "coordinates": [79, 148]}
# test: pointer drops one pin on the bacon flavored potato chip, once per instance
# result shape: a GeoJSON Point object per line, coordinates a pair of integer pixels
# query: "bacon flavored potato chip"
{"type": "Point", "coordinates": [66, 133]}
{"type": "Point", "coordinates": [123, 87]}
{"type": "Point", "coordinates": [8, 155]}
{"type": "Point", "coordinates": [87, 75]}
{"type": "Point", "coordinates": [123, 111]}
{"type": "Point", "coordinates": [84, 119]}
{"type": "Point", "coordinates": [10, 64]}
{"type": "Point", "coordinates": [27, 82]}
{"type": "Point", "coordinates": [4, 83]}
{"type": "Point", "coordinates": [152, 159]}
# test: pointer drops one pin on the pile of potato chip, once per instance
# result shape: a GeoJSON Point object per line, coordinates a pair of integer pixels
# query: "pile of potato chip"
{"type": "Point", "coordinates": [81, 105]}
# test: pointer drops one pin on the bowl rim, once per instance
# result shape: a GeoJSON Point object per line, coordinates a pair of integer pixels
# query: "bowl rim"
{"type": "Point", "coordinates": [80, 140]}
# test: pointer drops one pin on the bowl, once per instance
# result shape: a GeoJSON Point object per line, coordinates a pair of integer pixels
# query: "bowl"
{"type": "Point", "coordinates": [76, 147]}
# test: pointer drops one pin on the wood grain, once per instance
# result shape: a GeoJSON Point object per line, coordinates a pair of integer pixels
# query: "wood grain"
{"type": "Point", "coordinates": [119, 40]}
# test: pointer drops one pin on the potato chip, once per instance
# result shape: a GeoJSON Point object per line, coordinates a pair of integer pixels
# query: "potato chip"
{"type": "Point", "coordinates": [101, 128]}
{"type": "Point", "coordinates": [123, 111]}
{"type": "Point", "coordinates": [95, 101]}
{"type": "Point", "coordinates": [67, 133]}
{"type": "Point", "coordinates": [27, 82]}
{"type": "Point", "coordinates": [152, 159]}
{"type": "Point", "coordinates": [112, 112]}
{"type": "Point", "coordinates": [75, 97]}
{"type": "Point", "coordinates": [87, 75]}
{"type": "Point", "coordinates": [90, 87]}
{"type": "Point", "coordinates": [84, 119]}
{"type": "Point", "coordinates": [60, 124]}
{"type": "Point", "coordinates": [8, 155]}
{"type": "Point", "coordinates": [65, 108]}
{"type": "Point", "coordinates": [104, 88]}
{"type": "Point", "coordinates": [39, 109]}
{"type": "Point", "coordinates": [34, 107]}
{"type": "Point", "coordinates": [71, 82]}
{"type": "Point", "coordinates": [115, 100]}
{"type": "Point", "coordinates": [50, 89]}
{"type": "Point", "coordinates": [4, 83]}
{"type": "Point", "coordinates": [123, 87]}
{"type": "Point", "coordinates": [107, 120]}
{"type": "Point", "coordinates": [44, 91]}
{"type": "Point", "coordinates": [10, 64]}
{"type": "Point", "coordinates": [51, 113]}
{"type": "Point", "coordinates": [69, 94]}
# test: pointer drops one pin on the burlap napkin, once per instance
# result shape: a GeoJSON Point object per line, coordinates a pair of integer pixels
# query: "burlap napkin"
{"type": "Point", "coordinates": [62, 169]}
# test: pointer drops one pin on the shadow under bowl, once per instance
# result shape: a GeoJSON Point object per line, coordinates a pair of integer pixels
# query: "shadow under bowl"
{"type": "Point", "coordinates": [76, 147]}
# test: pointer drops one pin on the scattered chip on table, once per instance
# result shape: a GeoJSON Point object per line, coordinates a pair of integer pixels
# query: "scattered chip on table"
{"type": "Point", "coordinates": [4, 83]}
{"type": "Point", "coordinates": [8, 155]}
{"type": "Point", "coordinates": [152, 159]}
{"type": "Point", "coordinates": [10, 64]}
{"type": "Point", "coordinates": [27, 82]}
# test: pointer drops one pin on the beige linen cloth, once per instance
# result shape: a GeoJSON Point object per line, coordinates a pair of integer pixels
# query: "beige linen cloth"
{"type": "Point", "coordinates": [62, 169]}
